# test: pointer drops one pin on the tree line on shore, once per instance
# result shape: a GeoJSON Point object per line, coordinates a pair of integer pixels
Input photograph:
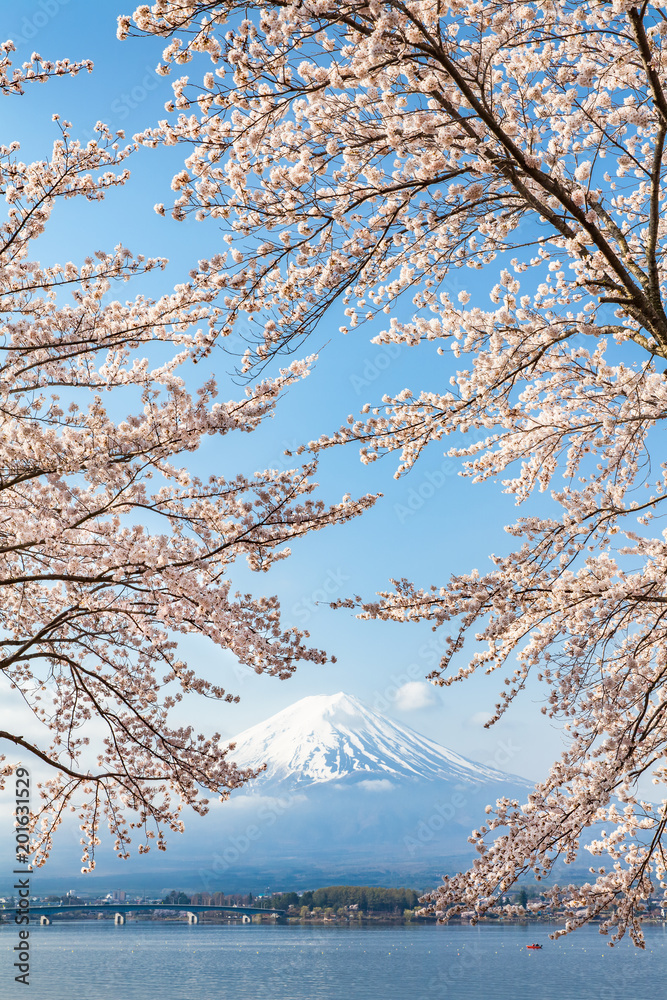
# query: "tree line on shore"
{"type": "Point", "coordinates": [366, 899]}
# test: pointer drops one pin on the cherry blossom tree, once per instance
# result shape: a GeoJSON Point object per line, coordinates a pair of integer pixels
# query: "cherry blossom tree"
{"type": "Point", "coordinates": [110, 549]}
{"type": "Point", "coordinates": [371, 153]}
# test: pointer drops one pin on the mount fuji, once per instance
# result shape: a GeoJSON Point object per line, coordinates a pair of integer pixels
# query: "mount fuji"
{"type": "Point", "coordinates": [335, 738]}
{"type": "Point", "coordinates": [348, 795]}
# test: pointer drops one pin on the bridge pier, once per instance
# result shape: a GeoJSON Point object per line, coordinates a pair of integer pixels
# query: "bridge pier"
{"type": "Point", "coordinates": [193, 918]}
{"type": "Point", "coordinates": [44, 921]}
{"type": "Point", "coordinates": [119, 919]}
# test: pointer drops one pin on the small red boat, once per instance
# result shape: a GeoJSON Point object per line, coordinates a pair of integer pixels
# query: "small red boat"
{"type": "Point", "coordinates": [536, 946]}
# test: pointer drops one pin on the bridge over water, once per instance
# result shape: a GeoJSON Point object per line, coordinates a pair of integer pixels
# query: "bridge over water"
{"type": "Point", "coordinates": [47, 910]}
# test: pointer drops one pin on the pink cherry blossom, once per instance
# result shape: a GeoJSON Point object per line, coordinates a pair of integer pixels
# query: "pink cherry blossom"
{"type": "Point", "coordinates": [387, 152]}
{"type": "Point", "coordinates": [110, 548]}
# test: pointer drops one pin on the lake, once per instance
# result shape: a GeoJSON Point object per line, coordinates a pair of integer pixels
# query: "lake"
{"type": "Point", "coordinates": [141, 961]}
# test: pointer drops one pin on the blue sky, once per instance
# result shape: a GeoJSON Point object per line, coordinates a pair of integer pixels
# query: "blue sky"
{"type": "Point", "coordinates": [415, 530]}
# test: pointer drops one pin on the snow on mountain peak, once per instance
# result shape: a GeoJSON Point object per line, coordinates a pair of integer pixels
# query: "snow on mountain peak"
{"type": "Point", "coordinates": [324, 738]}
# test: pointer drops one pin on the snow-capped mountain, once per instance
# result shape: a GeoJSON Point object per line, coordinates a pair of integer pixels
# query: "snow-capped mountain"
{"type": "Point", "coordinates": [325, 738]}
{"type": "Point", "coordinates": [348, 794]}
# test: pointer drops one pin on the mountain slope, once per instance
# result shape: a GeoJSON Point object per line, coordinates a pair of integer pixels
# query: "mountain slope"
{"type": "Point", "coordinates": [348, 792]}
{"type": "Point", "coordinates": [325, 738]}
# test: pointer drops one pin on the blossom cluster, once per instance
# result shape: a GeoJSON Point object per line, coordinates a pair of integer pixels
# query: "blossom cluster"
{"type": "Point", "coordinates": [111, 549]}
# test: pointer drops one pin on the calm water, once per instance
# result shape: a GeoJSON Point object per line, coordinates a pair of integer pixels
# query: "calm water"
{"type": "Point", "coordinates": [140, 961]}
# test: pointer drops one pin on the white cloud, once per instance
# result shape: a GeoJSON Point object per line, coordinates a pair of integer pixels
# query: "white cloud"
{"type": "Point", "coordinates": [415, 695]}
{"type": "Point", "coordinates": [480, 718]}
{"type": "Point", "coordinates": [381, 785]}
